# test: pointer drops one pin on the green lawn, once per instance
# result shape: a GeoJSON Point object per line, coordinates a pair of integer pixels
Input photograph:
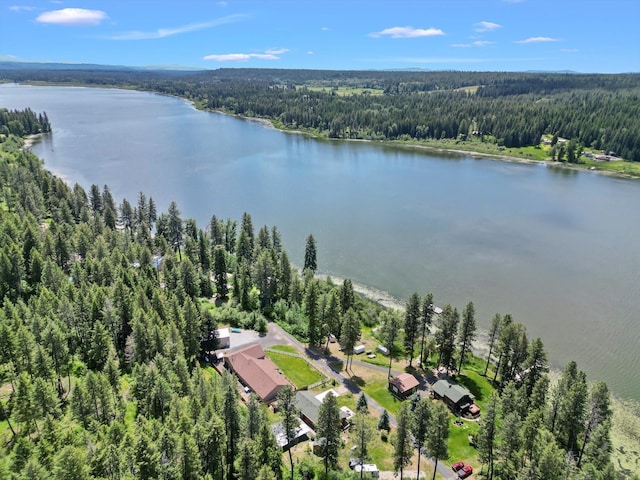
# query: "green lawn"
{"type": "Point", "coordinates": [286, 348]}
{"type": "Point", "coordinates": [459, 447]}
{"type": "Point", "coordinates": [378, 389]}
{"type": "Point", "coordinates": [296, 369]}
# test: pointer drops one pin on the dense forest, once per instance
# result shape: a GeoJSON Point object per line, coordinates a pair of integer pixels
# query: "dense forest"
{"type": "Point", "coordinates": [511, 109]}
{"type": "Point", "coordinates": [109, 309]}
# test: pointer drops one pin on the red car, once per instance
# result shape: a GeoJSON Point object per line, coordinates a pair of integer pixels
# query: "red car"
{"type": "Point", "coordinates": [465, 471]}
{"type": "Point", "coordinates": [457, 466]}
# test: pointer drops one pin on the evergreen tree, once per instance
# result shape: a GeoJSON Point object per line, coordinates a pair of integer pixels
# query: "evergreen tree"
{"type": "Point", "coordinates": [361, 431]}
{"type": "Point", "coordinates": [220, 271]}
{"type": "Point", "coordinates": [311, 312]}
{"type": "Point", "coordinates": [289, 411]}
{"type": "Point", "coordinates": [350, 334]}
{"type": "Point", "coordinates": [310, 261]}
{"type": "Point", "coordinates": [411, 325]}
{"type": "Point", "coordinates": [487, 434]}
{"type": "Point", "coordinates": [403, 450]}
{"type": "Point", "coordinates": [426, 315]}
{"type": "Point", "coordinates": [438, 434]}
{"type": "Point", "coordinates": [328, 431]}
{"type": "Point", "coordinates": [446, 335]}
{"type": "Point", "coordinates": [390, 328]}
{"type": "Point", "coordinates": [420, 426]}
{"type": "Point", "coordinates": [467, 331]}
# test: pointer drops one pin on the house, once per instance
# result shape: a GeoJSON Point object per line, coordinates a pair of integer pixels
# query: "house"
{"type": "Point", "coordinates": [223, 336]}
{"type": "Point", "coordinates": [455, 396]}
{"type": "Point", "coordinates": [309, 407]}
{"type": "Point", "coordinates": [404, 385]}
{"type": "Point", "coordinates": [359, 349]}
{"type": "Point", "coordinates": [257, 372]}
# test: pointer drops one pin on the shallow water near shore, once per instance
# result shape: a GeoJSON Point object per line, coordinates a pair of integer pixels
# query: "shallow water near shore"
{"type": "Point", "coordinates": [556, 248]}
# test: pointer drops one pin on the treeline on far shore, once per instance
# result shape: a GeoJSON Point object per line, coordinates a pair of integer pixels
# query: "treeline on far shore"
{"type": "Point", "coordinates": [596, 111]}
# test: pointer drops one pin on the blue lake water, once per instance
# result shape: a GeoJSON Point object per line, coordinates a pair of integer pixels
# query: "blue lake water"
{"type": "Point", "coordinates": [557, 249]}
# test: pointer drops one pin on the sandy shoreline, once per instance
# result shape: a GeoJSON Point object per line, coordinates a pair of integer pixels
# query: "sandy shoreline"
{"type": "Point", "coordinates": [31, 140]}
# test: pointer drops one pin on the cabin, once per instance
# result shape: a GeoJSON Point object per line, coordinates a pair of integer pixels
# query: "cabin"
{"type": "Point", "coordinates": [301, 434]}
{"type": "Point", "coordinates": [404, 385]}
{"type": "Point", "coordinates": [257, 372]}
{"type": "Point", "coordinates": [455, 396]}
{"type": "Point", "coordinates": [309, 407]}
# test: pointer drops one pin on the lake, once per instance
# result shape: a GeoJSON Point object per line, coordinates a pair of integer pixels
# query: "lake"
{"type": "Point", "coordinates": [558, 249]}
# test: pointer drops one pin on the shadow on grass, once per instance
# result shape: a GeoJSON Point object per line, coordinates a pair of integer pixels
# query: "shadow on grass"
{"type": "Point", "coordinates": [359, 381]}
{"type": "Point", "coordinates": [336, 365]}
{"type": "Point", "coordinates": [472, 386]}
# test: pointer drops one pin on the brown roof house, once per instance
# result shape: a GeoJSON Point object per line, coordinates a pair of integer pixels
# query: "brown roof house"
{"type": "Point", "coordinates": [257, 372]}
{"type": "Point", "coordinates": [404, 385]}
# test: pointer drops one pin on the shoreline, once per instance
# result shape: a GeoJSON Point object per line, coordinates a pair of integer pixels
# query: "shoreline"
{"type": "Point", "coordinates": [31, 140]}
{"type": "Point", "coordinates": [268, 123]}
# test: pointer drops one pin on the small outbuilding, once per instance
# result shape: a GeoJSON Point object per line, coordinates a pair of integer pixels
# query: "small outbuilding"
{"type": "Point", "coordinates": [382, 349]}
{"type": "Point", "coordinates": [371, 469]}
{"type": "Point", "coordinates": [404, 385]}
{"type": "Point", "coordinates": [358, 349]}
{"type": "Point", "coordinates": [223, 337]}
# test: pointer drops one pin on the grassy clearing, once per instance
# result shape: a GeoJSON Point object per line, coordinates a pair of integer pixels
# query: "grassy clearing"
{"type": "Point", "coordinates": [459, 447]}
{"type": "Point", "coordinates": [285, 348]}
{"type": "Point", "coordinates": [344, 91]}
{"type": "Point", "coordinates": [296, 369]}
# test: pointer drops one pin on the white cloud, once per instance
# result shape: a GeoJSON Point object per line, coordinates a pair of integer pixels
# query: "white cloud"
{"type": "Point", "coordinates": [486, 26]}
{"type": "Point", "coordinates": [459, 60]}
{"type": "Point", "coordinates": [73, 16]}
{"type": "Point", "coordinates": [222, 4]}
{"type": "Point", "coordinates": [21, 8]}
{"type": "Point", "coordinates": [538, 40]}
{"type": "Point", "coordinates": [271, 54]}
{"type": "Point", "coordinates": [324, 29]}
{"type": "Point", "coordinates": [276, 51]}
{"type": "Point", "coordinates": [167, 32]}
{"type": "Point", "coordinates": [8, 58]}
{"type": "Point", "coordinates": [408, 32]}
{"type": "Point", "coordinates": [310, 52]}
{"type": "Point", "coordinates": [477, 43]}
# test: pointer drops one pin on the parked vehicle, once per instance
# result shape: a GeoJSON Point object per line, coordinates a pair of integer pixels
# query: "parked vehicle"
{"type": "Point", "coordinates": [465, 471]}
{"type": "Point", "coordinates": [457, 466]}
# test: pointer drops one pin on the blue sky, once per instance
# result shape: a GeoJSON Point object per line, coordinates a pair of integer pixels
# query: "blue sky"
{"type": "Point", "coordinates": [504, 35]}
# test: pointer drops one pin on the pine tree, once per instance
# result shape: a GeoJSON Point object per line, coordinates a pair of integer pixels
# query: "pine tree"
{"type": "Point", "coordinates": [438, 434]}
{"type": "Point", "coordinates": [467, 331]}
{"type": "Point", "coordinates": [411, 325]}
{"type": "Point", "coordinates": [310, 254]}
{"type": "Point", "coordinates": [403, 450]}
{"type": "Point", "coordinates": [328, 430]}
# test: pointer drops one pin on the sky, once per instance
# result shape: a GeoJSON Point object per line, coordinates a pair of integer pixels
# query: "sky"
{"type": "Point", "coordinates": [480, 35]}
